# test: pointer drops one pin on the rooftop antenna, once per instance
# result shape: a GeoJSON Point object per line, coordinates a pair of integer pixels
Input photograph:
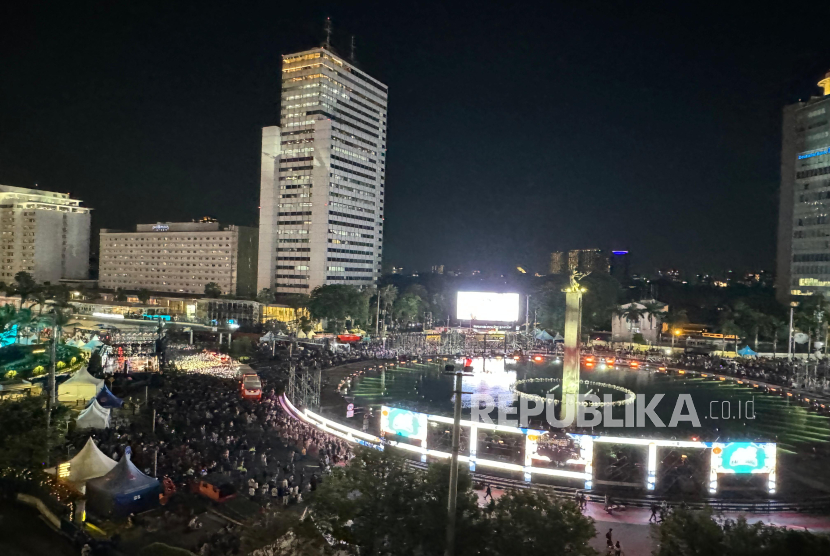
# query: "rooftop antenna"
{"type": "Point", "coordinates": [327, 28]}
{"type": "Point", "coordinates": [351, 54]}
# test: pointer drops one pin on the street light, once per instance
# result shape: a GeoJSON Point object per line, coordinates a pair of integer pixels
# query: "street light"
{"type": "Point", "coordinates": [675, 332]}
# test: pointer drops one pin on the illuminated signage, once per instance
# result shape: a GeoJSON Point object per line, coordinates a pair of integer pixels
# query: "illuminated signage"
{"type": "Point", "coordinates": [108, 315]}
{"type": "Point", "coordinates": [620, 252]}
{"type": "Point", "coordinates": [813, 282]}
{"type": "Point", "coordinates": [403, 422]}
{"type": "Point", "coordinates": [63, 470]}
{"type": "Point", "coordinates": [161, 228]}
{"type": "Point", "coordinates": [814, 153]}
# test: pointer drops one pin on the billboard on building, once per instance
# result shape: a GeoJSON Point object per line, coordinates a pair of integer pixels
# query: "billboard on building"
{"type": "Point", "coordinates": [487, 306]}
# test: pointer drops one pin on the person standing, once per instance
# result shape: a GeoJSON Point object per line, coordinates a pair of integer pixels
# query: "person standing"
{"type": "Point", "coordinates": [654, 508]}
{"type": "Point", "coordinates": [488, 492]}
{"type": "Point", "coordinates": [618, 549]}
{"type": "Point", "coordinates": [609, 541]}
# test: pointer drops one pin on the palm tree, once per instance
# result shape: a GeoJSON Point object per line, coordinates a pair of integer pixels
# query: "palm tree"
{"type": "Point", "coordinates": [388, 294]}
{"type": "Point", "coordinates": [632, 313]}
{"type": "Point", "coordinates": [653, 310]}
{"type": "Point", "coordinates": [60, 318]}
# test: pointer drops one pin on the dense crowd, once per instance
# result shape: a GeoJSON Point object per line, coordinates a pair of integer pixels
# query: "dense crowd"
{"type": "Point", "coordinates": [205, 429]}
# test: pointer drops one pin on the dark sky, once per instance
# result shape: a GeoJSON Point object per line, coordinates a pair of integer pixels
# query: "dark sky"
{"type": "Point", "coordinates": [515, 128]}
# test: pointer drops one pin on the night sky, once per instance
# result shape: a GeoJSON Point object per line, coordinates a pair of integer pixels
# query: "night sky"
{"type": "Point", "coordinates": [515, 128]}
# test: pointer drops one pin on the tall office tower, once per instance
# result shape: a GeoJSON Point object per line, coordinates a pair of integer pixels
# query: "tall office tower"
{"type": "Point", "coordinates": [323, 174]}
{"type": "Point", "coordinates": [43, 233]}
{"type": "Point", "coordinates": [803, 261]}
{"type": "Point", "coordinates": [557, 263]}
{"type": "Point", "coordinates": [620, 265]}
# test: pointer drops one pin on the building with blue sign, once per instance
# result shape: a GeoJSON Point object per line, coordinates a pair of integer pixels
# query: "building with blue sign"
{"type": "Point", "coordinates": [803, 259]}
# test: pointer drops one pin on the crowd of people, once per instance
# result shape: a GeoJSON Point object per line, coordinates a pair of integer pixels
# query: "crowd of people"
{"type": "Point", "coordinates": [204, 429]}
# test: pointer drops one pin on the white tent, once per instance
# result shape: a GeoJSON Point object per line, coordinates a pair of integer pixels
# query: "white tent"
{"type": "Point", "coordinates": [81, 386]}
{"type": "Point", "coordinates": [93, 417]}
{"type": "Point", "coordinates": [89, 463]}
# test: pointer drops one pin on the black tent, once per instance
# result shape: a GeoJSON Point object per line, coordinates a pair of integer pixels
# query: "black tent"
{"type": "Point", "coordinates": [122, 491]}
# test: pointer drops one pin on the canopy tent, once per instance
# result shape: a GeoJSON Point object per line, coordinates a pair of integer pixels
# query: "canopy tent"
{"type": "Point", "coordinates": [81, 386]}
{"type": "Point", "coordinates": [93, 417]}
{"type": "Point", "coordinates": [75, 343]}
{"type": "Point", "coordinates": [92, 345]}
{"type": "Point", "coordinates": [746, 351]}
{"type": "Point", "coordinates": [89, 463]}
{"type": "Point", "coordinates": [542, 335]}
{"type": "Point", "coordinates": [122, 491]}
{"type": "Point", "coordinates": [558, 338]}
{"type": "Point", "coordinates": [107, 399]}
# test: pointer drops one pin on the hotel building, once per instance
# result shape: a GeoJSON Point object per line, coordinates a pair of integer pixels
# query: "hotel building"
{"type": "Point", "coordinates": [43, 233]}
{"type": "Point", "coordinates": [180, 257]}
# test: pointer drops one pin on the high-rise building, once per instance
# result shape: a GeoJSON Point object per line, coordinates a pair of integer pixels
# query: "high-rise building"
{"type": "Point", "coordinates": [43, 233]}
{"type": "Point", "coordinates": [587, 260]}
{"type": "Point", "coordinates": [557, 263]}
{"type": "Point", "coordinates": [803, 261]}
{"type": "Point", "coordinates": [180, 257]}
{"type": "Point", "coordinates": [323, 175]}
{"type": "Point", "coordinates": [620, 265]}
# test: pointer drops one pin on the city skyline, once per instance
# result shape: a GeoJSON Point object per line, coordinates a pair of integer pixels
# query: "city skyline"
{"type": "Point", "coordinates": [167, 127]}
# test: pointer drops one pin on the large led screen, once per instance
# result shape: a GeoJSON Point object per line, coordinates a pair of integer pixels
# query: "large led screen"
{"type": "Point", "coordinates": [743, 457]}
{"type": "Point", "coordinates": [487, 306]}
{"type": "Point", "coordinates": [403, 422]}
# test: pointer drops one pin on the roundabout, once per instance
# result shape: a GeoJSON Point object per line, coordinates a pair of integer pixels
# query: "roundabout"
{"type": "Point", "coordinates": [684, 462]}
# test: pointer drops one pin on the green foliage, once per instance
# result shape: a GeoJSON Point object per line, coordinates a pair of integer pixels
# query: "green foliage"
{"type": "Point", "coordinates": [94, 366]}
{"type": "Point", "coordinates": [599, 301]}
{"type": "Point", "coordinates": [407, 308]}
{"type": "Point", "coordinates": [212, 290]}
{"type": "Point", "coordinates": [265, 296]}
{"type": "Point", "coordinates": [638, 338]}
{"type": "Point", "coordinates": [23, 436]}
{"type": "Point", "coordinates": [241, 346]}
{"type": "Point", "coordinates": [10, 375]}
{"type": "Point", "coordinates": [696, 533]}
{"type": "Point", "coordinates": [120, 294]}
{"type": "Point", "coordinates": [378, 505]}
{"type": "Point", "coordinates": [528, 522]}
{"type": "Point", "coordinates": [24, 286]}
{"type": "Point", "coordinates": [339, 304]}
{"type": "Point", "coordinates": [143, 296]}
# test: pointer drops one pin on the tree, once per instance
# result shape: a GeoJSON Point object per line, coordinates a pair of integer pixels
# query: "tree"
{"type": "Point", "coordinates": [338, 304]}
{"type": "Point", "coordinates": [632, 313]}
{"type": "Point", "coordinates": [675, 317]}
{"type": "Point", "coordinates": [697, 533]}
{"type": "Point", "coordinates": [120, 294]}
{"type": "Point", "coordinates": [297, 302]}
{"type": "Point", "coordinates": [24, 319]}
{"type": "Point", "coordinates": [212, 290]}
{"type": "Point", "coordinates": [265, 296]}
{"type": "Point", "coordinates": [407, 308]}
{"type": "Point", "coordinates": [23, 433]}
{"type": "Point", "coordinates": [388, 295]}
{"type": "Point", "coordinates": [653, 310]}
{"type": "Point", "coordinates": [377, 505]}
{"type": "Point", "coordinates": [530, 522]}
{"type": "Point", "coordinates": [380, 507]}
{"type": "Point", "coordinates": [599, 301]}
{"type": "Point", "coordinates": [143, 296]}
{"type": "Point", "coordinates": [24, 286]}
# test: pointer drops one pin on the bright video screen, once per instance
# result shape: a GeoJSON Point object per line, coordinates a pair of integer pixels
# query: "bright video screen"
{"type": "Point", "coordinates": [488, 306]}
{"type": "Point", "coordinates": [743, 457]}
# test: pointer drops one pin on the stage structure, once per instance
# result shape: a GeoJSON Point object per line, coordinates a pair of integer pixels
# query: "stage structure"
{"type": "Point", "coordinates": [565, 455]}
{"type": "Point", "coordinates": [304, 386]}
